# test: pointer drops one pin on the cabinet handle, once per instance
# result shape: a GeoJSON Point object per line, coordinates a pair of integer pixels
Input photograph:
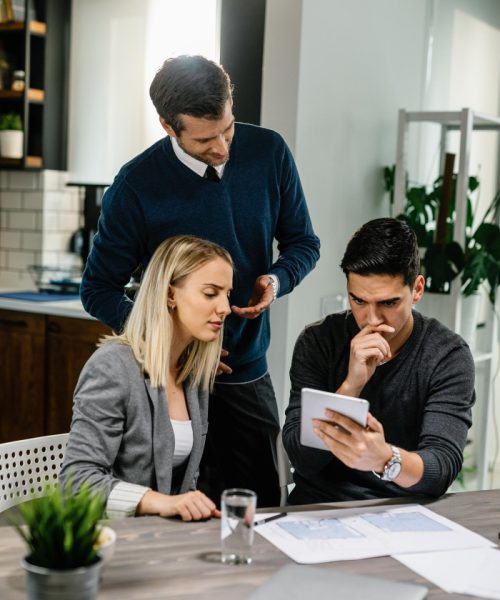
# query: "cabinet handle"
{"type": "Point", "coordinates": [10, 323]}
{"type": "Point", "coordinates": [53, 327]}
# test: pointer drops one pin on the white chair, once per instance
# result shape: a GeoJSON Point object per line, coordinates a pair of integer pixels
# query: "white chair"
{"type": "Point", "coordinates": [30, 468]}
{"type": "Point", "coordinates": [285, 469]}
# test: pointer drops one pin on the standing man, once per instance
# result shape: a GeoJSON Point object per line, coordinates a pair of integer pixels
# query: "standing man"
{"type": "Point", "coordinates": [417, 375]}
{"type": "Point", "coordinates": [236, 185]}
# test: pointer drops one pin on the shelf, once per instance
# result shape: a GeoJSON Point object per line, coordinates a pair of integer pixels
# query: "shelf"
{"type": "Point", "coordinates": [37, 27]}
{"type": "Point", "coordinates": [34, 27]}
{"type": "Point", "coordinates": [453, 119]}
{"type": "Point", "coordinates": [10, 162]}
{"type": "Point", "coordinates": [482, 356]}
{"type": "Point", "coordinates": [34, 95]}
{"type": "Point", "coordinates": [39, 47]}
{"type": "Point", "coordinates": [31, 162]}
{"type": "Point", "coordinates": [34, 162]}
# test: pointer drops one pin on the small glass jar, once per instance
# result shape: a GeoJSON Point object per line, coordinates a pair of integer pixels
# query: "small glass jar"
{"type": "Point", "coordinates": [17, 84]}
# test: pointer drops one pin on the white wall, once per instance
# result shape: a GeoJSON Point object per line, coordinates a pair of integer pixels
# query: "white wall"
{"type": "Point", "coordinates": [359, 62]}
{"type": "Point", "coordinates": [106, 101]}
{"type": "Point", "coordinates": [116, 48]}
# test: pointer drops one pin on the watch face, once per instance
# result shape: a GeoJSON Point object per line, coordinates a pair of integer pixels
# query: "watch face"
{"type": "Point", "coordinates": [393, 471]}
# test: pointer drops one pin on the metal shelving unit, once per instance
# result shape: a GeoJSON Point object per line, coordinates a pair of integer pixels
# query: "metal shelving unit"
{"type": "Point", "coordinates": [465, 122]}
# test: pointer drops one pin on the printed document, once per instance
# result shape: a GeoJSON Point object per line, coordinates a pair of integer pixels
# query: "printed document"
{"type": "Point", "coordinates": [472, 571]}
{"type": "Point", "coordinates": [348, 534]}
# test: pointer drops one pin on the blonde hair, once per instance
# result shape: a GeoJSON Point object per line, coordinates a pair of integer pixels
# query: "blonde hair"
{"type": "Point", "coordinates": [149, 330]}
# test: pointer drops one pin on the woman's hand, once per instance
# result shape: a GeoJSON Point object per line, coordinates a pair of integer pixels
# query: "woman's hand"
{"type": "Point", "coordinates": [191, 506]}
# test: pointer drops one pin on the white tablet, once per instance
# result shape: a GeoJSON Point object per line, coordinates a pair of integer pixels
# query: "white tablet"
{"type": "Point", "coordinates": [314, 403]}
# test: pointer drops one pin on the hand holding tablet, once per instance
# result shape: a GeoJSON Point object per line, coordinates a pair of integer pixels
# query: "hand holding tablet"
{"type": "Point", "coordinates": [314, 404]}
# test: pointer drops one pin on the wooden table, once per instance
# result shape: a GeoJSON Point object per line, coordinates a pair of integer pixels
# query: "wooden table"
{"type": "Point", "coordinates": [157, 558]}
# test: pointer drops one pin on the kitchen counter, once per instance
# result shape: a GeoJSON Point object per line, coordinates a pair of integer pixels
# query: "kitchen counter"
{"type": "Point", "coordinates": [61, 308]}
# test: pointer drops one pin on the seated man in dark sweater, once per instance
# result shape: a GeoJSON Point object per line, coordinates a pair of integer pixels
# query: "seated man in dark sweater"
{"type": "Point", "coordinates": [417, 375]}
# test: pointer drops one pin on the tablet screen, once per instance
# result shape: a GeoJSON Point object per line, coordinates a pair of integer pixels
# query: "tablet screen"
{"type": "Point", "coordinates": [314, 404]}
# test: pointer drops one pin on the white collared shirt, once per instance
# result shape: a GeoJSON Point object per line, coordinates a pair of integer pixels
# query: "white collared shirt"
{"type": "Point", "coordinates": [194, 164]}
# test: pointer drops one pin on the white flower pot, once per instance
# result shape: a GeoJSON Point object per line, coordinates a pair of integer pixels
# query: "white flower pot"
{"type": "Point", "coordinates": [11, 143]}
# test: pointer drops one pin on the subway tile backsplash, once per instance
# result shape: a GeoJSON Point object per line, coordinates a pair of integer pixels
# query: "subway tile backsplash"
{"type": "Point", "coordinates": [38, 215]}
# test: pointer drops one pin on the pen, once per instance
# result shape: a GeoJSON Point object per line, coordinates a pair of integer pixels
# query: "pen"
{"type": "Point", "coordinates": [273, 518]}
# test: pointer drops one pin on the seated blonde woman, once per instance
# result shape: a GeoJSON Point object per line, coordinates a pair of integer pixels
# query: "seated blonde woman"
{"type": "Point", "coordinates": [141, 403]}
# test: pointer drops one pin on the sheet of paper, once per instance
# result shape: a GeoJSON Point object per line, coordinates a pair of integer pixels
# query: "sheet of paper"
{"type": "Point", "coordinates": [471, 571]}
{"type": "Point", "coordinates": [349, 534]}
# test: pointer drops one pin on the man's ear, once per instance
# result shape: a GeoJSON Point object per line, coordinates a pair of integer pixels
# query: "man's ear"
{"type": "Point", "coordinates": [167, 127]}
{"type": "Point", "coordinates": [418, 289]}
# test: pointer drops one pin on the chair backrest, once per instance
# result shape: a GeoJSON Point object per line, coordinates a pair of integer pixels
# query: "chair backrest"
{"type": "Point", "coordinates": [30, 468]}
{"type": "Point", "coordinates": [285, 469]}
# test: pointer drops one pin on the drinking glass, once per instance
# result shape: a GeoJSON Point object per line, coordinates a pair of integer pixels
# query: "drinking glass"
{"type": "Point", "coordinates": [238, 511]}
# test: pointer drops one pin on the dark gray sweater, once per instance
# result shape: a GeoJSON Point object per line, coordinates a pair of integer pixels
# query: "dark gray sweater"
{"type": "Point", "coordinates": [422, 397]}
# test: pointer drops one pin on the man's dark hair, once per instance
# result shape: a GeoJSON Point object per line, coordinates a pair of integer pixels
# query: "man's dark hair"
{"type": "Point", "coordinates": [383, 247]}
{"type": "Point", "coordinates": [190, 85]}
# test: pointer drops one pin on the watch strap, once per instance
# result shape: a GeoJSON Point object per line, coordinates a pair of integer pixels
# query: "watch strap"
{"type": "Point", "coordinates": [395, 458]}
{"type": "Point", "coordinates": [275, 285]}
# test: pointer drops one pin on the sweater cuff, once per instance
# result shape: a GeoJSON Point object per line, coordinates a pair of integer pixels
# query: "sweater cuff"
{"type": "Point", "coordinates": [434, 481]}
{"type": "Point", "coordinates": [123, 500]}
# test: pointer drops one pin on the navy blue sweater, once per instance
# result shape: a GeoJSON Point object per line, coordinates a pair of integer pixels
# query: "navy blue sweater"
{"type": "Point", "coordinates": [259, 198]}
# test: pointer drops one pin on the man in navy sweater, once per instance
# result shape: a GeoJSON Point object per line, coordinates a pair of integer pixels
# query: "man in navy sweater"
{"type": "Point", "coordinates": [236, 185]}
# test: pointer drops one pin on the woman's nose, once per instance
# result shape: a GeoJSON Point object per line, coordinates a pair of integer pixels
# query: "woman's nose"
{"type": "Point", "coordinates": [224, 308]}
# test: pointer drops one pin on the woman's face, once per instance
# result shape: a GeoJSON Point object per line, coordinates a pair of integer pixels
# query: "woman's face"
{"type": "Point", "coordinates": [201, 302]}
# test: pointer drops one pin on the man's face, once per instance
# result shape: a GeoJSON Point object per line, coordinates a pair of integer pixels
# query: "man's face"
{"type": "Point", "coordinates": [207, 140]}
{"type": "Point", "coordinates": [384, 299]}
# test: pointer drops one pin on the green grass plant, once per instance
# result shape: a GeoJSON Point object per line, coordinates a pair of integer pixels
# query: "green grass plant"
{"type": "Point", "coordinates": [60, 529]}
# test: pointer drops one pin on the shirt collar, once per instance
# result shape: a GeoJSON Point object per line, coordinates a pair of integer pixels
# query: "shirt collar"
{"type": "Point", "coordinates": [194, 164]}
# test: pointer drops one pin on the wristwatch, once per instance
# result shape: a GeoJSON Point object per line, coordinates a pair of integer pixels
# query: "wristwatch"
{"type": "Point", "coordinates": [392, 467]}
{"type": "Point", "coordinates": [274, 282]}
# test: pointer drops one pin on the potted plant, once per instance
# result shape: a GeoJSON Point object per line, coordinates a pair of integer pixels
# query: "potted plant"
{"type": "Point", "coordinates": [11, 135]}
{"type": "Point", "coordinates": [61, 531]}
{"type": "Point", "coordinates": [477, 261]}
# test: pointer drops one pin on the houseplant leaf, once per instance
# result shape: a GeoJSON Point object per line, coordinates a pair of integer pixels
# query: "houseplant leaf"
{"type": "Point", "coordinates": [442, 263]}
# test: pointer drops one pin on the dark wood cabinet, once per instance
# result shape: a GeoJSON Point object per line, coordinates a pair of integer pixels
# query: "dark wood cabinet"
{"type": "Point", "coordinates": [22, 375]}
{"type": "Point", "coordinates": [35, 40]}
{"type": "Point", "coordinates": [40, 361]}
{"type": "Point", "coordinates": [69, 344]}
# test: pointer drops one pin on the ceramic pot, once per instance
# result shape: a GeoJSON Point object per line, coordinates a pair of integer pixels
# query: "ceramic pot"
{"type": "Point", "coordinates": [11, 143]}
{"type": "Point", "coordinates": [67, 584]}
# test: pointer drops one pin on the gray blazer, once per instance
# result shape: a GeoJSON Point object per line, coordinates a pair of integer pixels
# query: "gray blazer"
{"type": "Point", "coordinates": [121, 430]}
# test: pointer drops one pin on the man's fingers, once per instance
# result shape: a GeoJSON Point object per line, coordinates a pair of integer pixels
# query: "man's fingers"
{"type": "Point", "coordinates": [250, 312]}
{"type": "Point", "coordinates": [332, 431]}
{"type": "Point", "coordinates": [223, 368]}
{"type": "Point", "coordinates": [373, 424]}
{"type": "Point", "coordinates": [383, 327]}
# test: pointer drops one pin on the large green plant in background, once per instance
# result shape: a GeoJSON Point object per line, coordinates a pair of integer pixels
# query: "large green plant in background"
{"type": "Point", "coordinates": [477, 261]}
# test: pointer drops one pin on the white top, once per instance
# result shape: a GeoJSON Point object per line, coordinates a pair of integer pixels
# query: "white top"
{"type": "Point", "coordinates": [194, 164]}
{"type": "Point", "coordinates": [183, 433]}
{"type": "Point", "coordinates": [124, 497]}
